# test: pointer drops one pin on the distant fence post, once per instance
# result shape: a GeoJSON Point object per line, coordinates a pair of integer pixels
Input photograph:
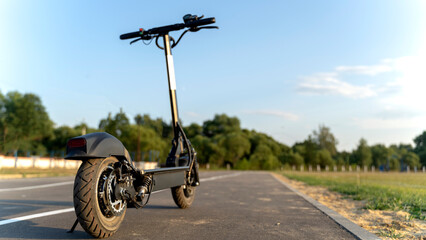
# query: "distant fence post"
{"type": "Point", "coordinates": [335, 168]}
{"type": "Point", "coordinates": [373, 168]}
{"type": "Point", "coordinates": [424, 169]}
{"type": "Point", "coordinates": [408, 169]}
{"type": "Point", "coordinates": [357, 168]}
{"type": "Point", "coordinates": [208, 166]}
{"type": "Point", "coordinates": [301, 168]}
{"type": "Point", "coordinates": [326, 168]}
{"type": "Point", "coordinates": [16, 158]}
{"type": "Point", "coordinates": [365, 169]}
{"type": "Point", "coordinates": [310, 168]}
{"type": "Point", "coordinates": [318, 168]}
{"type": "Point", "coordinates": [415, 169]}
{"type": "Point", "coordinates": [34, 158]}
{"type": "Point", "coordinates": [350, 168]}
{"type": "Point", "coordinates": [343, 168]}
{"type": "Point", "coordinates": [51, 159]}
{"type": "Point", "coordinates": [293, 168]}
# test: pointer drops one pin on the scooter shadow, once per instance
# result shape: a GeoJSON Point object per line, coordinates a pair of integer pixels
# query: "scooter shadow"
{"type": "Point", "coordinates": [160, 207]}
{"type": "Point", "coordinates": [30, 230]}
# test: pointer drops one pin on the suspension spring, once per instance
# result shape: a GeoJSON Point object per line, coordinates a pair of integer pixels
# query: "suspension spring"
{"type": "Point", "coordinates": [143, 189]}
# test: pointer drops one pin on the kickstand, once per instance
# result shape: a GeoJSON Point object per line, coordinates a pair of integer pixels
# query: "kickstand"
{"type": "Point", "coordinates": [73, 226]}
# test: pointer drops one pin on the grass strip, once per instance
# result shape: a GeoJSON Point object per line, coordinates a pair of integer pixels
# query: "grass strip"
{"type": "Point", "coordinates": [381, 191]}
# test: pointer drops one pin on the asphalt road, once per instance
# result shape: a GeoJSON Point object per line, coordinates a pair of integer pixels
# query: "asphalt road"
{"type": "Point", "coordinates": [239, 205]}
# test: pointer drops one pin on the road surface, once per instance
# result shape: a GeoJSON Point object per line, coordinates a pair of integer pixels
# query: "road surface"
{"type": "Point", "coordinates": [228, 205]}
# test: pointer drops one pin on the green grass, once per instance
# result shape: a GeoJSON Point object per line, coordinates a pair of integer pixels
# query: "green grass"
{"type": "Point", "coordinates": [35, 172]}
{"type": "Point", "coordinates": [381, 191]}
{"type": "Point", "coordinates": [391, 233]}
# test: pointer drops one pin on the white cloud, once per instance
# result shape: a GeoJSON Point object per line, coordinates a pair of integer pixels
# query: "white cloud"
{"type": "Point", "coordinates": [405, 90]}
{"type": "Point", "coordinates": [329, 84]}
{"type": "Point", "coordinates": [411, 83]}
{"type": "Point", "coordinates": [365, 70]}
{"type": "Point", "coordinates": [277, 113]}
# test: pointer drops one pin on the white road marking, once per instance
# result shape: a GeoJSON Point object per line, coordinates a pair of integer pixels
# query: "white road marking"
{"type": "Point", "coordinates": [36, 187]}
{"type": "Point", "coordinates": [219, 177]}
{"type": "Point", "coordinates": [23, 218]}
{"type": "Point", "coordinates": [55, 212]}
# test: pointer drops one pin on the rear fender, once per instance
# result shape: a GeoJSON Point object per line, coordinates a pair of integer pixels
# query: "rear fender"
{"type": "Point", "coordinates": [96, 145]}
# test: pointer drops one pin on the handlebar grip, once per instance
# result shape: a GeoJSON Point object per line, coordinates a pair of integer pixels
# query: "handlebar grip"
{"type": "Point", "coordinates": [130, 35]}
{"type": "Point", "coordinates": [201, 22]}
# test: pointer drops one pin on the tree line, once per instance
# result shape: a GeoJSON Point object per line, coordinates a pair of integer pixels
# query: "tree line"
{"type": "Point", "coordinates": [26, 129]}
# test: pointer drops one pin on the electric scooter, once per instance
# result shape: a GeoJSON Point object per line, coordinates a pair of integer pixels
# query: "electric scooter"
{"type": "Point", "coordinates": [108, 182]}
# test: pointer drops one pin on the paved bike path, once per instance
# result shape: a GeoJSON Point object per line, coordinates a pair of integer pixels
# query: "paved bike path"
{"type": "Point", "coordinates": [247, 205]}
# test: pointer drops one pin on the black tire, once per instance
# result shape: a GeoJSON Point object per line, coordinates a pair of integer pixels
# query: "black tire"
{"type": "Point", "coordinates": [183, 195]}
{"type": "Point", "coordinates": [87, 203]}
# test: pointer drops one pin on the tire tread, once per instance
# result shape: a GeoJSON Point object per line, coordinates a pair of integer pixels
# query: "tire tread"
{"type": "Point", "coordinates": [84, 185]}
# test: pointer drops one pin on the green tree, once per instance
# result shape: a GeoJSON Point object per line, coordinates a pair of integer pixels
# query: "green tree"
{"type": "Point", "coordinates": [362, 154]}
{"type": "Point", "coordinates": [148, 140]}
{"type": "Point", "coordinates": [221, 124]}
{"type": "Point", "coordinates": [257, 138]}
{"type": "Point", "coordinates": [145, 120]}
{"type": "Point", "coordinates": [420, 148]}
{"type": "Point", "coordinates": [411, 159]}
{"type": "Point", "coordinates": [139, 121]}
{"type": "Point", "coordinates": [3, 126]}
{"type": "Point", "coordinates": [25, 122]}
{"type": "Point", "coordinates": [291, 158]}
{"type": "Point", "coordinates": [324, 158]}
{"type": "Point", "coordinates": [263, 158]}
{"type": "Point", "coordinates": [116, 125]}
{"type": "Point", "coordinates": [325, 139]}
{"type": "Point", "coordinates": [236, 145]}
{"type": "Point", "coordinates": [193, 130]}
{"type": "Point", "coordinates": [310, 148]}
{"type": "Point", "coordinates": [380, 155]}
{"type": "Point", "coordinates": [60, 137]}
{"type": "Point", "coordinates": [208, 151]}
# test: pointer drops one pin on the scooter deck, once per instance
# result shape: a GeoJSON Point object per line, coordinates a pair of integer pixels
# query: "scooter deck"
{"type": "Point", "coordinates": [164, 178]}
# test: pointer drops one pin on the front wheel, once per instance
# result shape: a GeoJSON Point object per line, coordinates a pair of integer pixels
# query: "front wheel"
{"type": "Point", "coordinates": [184, 195]}
{"type": "Point", "coordinates": [97, 209]}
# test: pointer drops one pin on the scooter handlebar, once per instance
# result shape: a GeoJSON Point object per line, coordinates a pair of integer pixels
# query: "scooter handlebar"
{"type": "Point", "coordinates": [169, 28]}
{"type": "Point", "coordinates": [130, 35]}
{"type": "Point", "coordinates": [200, 22]}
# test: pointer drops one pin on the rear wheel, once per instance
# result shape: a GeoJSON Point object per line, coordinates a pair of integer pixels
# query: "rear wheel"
{"type": "Point", "coordinates": [97, 209]}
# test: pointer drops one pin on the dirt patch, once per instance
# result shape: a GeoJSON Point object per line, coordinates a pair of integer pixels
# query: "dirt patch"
{"type": "Point", "coordinates": [385, 224]}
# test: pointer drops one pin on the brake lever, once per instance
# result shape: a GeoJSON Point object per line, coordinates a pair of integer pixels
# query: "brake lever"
{"type": "Point", "coordinates": [199, 28]}
{"type": "Point", "coordinates": [145, 37]}
{"type": "Point", "coordinates": [135, 41]}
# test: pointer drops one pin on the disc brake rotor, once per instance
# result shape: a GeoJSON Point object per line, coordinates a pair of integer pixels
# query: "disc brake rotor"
{"type": "Point", "coordinates": [109, 205]}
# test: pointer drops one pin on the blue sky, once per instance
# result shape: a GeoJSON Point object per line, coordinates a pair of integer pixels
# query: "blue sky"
{"type": "Point", "coordinates": [282, 67]}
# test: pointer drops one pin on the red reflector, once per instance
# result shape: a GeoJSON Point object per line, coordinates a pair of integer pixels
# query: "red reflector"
{"type": "Point", "coordinates": [77, 142]}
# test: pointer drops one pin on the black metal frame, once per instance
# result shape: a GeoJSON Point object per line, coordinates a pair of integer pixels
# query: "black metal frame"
{"type": "Point", "coordinates": [180, 143]}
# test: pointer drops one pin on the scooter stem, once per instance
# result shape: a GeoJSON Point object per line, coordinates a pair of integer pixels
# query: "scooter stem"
{"type": "Point", "coordinates": [172, 85]}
